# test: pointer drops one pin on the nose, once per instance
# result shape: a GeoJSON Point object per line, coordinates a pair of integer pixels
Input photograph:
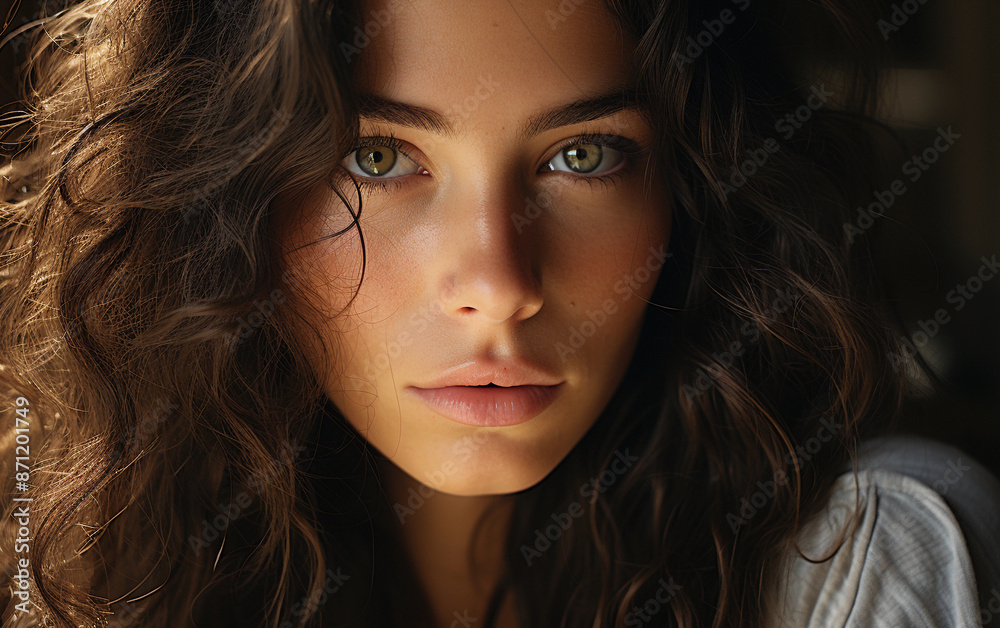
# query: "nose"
{"type": "Point", "coordinates": [490, 272]}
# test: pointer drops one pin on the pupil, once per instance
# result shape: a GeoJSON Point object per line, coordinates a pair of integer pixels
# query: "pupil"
{"type": "Point", "coordinates": [375, 160]}
{"type": "Point", "coordinates": [578, 157]}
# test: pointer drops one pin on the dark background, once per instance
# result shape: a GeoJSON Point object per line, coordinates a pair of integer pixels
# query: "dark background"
{"type": "Point", "coordinates": [945, 72]}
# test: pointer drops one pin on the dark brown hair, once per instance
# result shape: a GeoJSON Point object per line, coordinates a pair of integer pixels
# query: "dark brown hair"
{"type": "Point", "coordinates": [183, 453]}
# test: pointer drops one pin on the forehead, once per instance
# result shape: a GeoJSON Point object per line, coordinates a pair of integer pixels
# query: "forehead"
{"type": "Point", "coordinates": [490, 58]}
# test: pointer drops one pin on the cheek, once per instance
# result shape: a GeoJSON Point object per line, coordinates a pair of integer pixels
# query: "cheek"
{"type": "Point", "coordinates": [337, 324]}
{"type": "Point", "coordinates": [355, 273]}
{"type": "Point", "coordinates": [606, 269]}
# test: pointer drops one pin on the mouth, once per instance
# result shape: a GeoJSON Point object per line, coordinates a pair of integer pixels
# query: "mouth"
{"type": "Point", "coordinates": [488, 405]}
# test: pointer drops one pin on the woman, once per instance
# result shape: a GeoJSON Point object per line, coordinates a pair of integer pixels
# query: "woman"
{"type": "Point", "coordinates": [442, 314]}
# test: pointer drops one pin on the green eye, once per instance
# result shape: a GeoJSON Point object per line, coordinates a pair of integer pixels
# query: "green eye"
{"type": "Point", "coordinates": [375, 160]}
{"type": "Point", "coordinates": [380, 158]}
{"type": "Point", "coordinates": [583, 158]}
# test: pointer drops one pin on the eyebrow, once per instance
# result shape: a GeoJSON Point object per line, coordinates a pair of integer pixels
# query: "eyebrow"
{"type": "Point", "coordinates": [380, 109]}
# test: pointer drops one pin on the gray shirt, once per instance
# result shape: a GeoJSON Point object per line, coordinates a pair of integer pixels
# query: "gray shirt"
{"type": "Point", "coordinates": [925, 552]}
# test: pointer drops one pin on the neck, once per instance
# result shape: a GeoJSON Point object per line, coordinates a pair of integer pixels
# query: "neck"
{"type": "Point", "coordinates": [456, 571]}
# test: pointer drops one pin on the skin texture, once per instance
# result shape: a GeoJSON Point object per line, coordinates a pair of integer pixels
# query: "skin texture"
{"type": "Point", "coordinates": [453, 274]}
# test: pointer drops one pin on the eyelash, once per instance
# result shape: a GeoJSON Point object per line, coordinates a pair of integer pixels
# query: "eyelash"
{"type": "Point", "coordinates": [628, 147]}
{"type": "Point", "coordinates": [385, 185]}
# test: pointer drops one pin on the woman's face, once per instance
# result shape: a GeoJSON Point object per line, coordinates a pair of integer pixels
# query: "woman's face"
{"type": "Point", "coordinates": [498, 237]}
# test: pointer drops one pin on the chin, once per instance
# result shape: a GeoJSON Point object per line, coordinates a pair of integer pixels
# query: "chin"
{"type": "Point", "coordinates": [485, 475]}
{"type": "Point", "coordinates": [493, 486]}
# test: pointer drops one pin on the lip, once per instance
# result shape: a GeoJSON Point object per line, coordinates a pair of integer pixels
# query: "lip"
{"type": "Point", "coordinates": [507, 372]}
{"type": "Point", "coordinates": [488, 406]}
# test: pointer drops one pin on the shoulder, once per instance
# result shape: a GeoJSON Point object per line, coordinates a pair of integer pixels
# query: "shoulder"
{"type": "Point", "coordinates": [902, 562]}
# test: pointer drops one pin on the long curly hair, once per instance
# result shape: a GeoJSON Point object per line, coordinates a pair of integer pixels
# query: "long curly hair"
{"type": "Point", "coordinates": [183, 462]}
